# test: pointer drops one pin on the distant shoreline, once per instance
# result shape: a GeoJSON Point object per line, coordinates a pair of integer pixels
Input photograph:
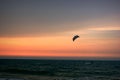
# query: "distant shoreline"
{"type": "Point", "coordinates": [52, 58]}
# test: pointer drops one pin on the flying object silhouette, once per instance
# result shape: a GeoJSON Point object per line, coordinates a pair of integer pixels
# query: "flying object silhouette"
{"type": "Point", "coordinates": [75, 37]}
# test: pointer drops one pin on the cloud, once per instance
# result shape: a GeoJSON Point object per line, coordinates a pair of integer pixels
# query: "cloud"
{"type": "Point", "coordinates": [105, 28]}
{"type": "Point", "coordinates": [37, 18]}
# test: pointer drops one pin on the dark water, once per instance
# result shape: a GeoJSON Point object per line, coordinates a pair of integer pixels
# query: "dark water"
{"type": "Point", "coordinates": [64, 68]}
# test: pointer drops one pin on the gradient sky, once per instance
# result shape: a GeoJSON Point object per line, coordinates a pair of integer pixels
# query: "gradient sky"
{"type": "Point", "coordinates": [44, 28]}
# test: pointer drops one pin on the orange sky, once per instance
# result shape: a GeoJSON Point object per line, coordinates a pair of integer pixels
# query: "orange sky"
{"type": "Point", "coordinates": [58, 47]}
{"type": "Point", "coordinates": [44, 28]}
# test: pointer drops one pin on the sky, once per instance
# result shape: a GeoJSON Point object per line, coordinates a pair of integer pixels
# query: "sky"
{"type": "Point", "coordinates": [44, 29]}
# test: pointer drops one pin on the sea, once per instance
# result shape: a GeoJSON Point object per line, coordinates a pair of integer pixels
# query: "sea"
{"type": "Point", "coordinates": [45, 69]}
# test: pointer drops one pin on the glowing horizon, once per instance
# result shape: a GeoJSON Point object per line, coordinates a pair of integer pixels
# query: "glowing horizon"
{"type": "Point", "coordinates": [58, 47]}
{"type": "Point", "coordinates": [45, 28]}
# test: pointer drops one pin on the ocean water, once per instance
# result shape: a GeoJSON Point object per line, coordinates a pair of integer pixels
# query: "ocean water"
{"type": "Point", "coordinates": [64, 69]}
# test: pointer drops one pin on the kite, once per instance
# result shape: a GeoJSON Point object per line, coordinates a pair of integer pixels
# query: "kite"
{"type": "Point", "coordinates": [75, 37]}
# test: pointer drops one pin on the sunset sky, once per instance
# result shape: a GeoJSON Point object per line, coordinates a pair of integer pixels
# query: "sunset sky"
{"type": "Point", "coordinates": [44, 29]}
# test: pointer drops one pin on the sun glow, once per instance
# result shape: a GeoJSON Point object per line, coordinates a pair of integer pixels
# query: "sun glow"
{"type": "Point", "coordinates": [56, 47]}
